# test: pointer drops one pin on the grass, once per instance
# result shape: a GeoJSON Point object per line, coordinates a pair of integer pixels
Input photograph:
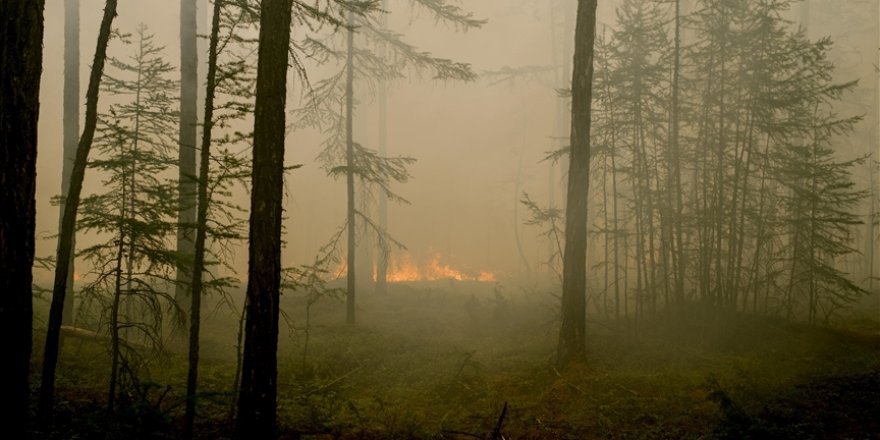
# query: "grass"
{"type": "Point", "coordinates": [440, 361]}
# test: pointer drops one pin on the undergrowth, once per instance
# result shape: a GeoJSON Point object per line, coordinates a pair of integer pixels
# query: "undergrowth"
{"type": "Point", "coordinates": [442, 362]}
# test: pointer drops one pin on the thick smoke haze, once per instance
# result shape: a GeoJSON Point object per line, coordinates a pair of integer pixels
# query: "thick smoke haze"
{"type": "Point", "coordinates": [479, 145]}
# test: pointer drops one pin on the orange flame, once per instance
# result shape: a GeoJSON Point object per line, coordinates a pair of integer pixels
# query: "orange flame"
{"type": "Point", "coordinates": [403, 269]}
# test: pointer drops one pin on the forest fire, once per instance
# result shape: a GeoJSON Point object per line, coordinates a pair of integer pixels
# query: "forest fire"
{"type": "Point", "coordinates": [404, 270]}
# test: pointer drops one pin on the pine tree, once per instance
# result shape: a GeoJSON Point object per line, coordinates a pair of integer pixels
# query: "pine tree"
{"type": "Point", "coordinates": [137, 209]}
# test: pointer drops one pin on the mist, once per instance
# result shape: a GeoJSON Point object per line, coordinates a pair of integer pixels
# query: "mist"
{"type": "Point", "coordinates": [712, 272]}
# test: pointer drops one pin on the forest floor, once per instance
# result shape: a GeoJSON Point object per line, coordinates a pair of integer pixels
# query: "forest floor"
{"type": "Point", "coordinates": [441, 361]}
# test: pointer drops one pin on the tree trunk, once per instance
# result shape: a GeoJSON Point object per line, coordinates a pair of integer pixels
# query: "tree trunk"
{"type": "Point", "coordinates": [572, 334]}
{"type": "Point", "coordinates": [68, 223]}
{"type": "Point", "coordinates": [382, 101]}
{"type": "Point", "coordinates": [114, 307]}
{"type": "Point", "coordinates": [349, 174]}
{"type": "Point", "coordinates": [257, 395]}
{"type": "Point", "coordinates": [71, 132]}
{"type": "Point", "coordinates": [675, 164]}
{"type": "Point", "coordinates": [21, 37]}
{"type": "Point", "coordinates": [186, 183]}
{"type": "Point", "coordinates": [201, 228]}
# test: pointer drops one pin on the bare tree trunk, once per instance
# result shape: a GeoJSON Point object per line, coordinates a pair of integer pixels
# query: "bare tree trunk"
{"type": "Point", "coordinates": [382, 98]}
{"type": "Point", "coordinates": [186, 183]}
{"type": "Point", "coordinates": [612, 151]}
{"type": "Point", "coordinates": [68, 223]}
{"type": "Point", "coordinates": [257, 395]}
{"type": "Point", "coordinates": [201, 227]}
{"type": "Point", "coordinates": [71, 131]}
{"type": "Point", "coordinates": [115, 305]}
{"type": "Point", "coordinates": [872, 243]}
{"type": "Point", "coordinates": [679, 260]}
{"type": "Point", "coordinates": [349, 174]}
{"type": "Point", "coordinates": [572, 334]}
{"type": "Point", "coordinates": [21, 60]}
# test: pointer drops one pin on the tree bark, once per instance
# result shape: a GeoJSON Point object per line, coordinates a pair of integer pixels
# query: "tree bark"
{"type": "Point", "coordinates": [257, 394]}
{"type": "Point", "coordinates": [68, 224]}
{"type": "Point", "coordinates": [21, 37]}
{"type": "Point", "coordinates": [186, 183]}
{"type": "Point", "coordinates": [201, 227]}
{"type": "Point", "coordinates": [572, 334]}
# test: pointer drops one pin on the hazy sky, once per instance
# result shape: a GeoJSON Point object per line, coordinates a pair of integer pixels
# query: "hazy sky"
{"type": "Point", "coordinates": [469, 139]}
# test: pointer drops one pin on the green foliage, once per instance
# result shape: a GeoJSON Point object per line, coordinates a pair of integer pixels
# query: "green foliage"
{"type": "Point", "coordinates": [768, 203]}
{"type": "Point", "coordinates": [418, 366]}
{"type": "Point", "coordinates": [133, 262]}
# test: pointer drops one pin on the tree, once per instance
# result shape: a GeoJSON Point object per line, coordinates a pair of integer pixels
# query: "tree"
{"type": "Point", "coordinates": [70, 128]}
{"type": "Point", "coordinates": [137, 206]}
{"type": "Point", "coordinates": [21, 40]}
{"type": "Point", "coordinates": [68, 223]}
{"type": "Point", "coordinates": [641, 58]}
{"type": "Point", "coordinates": [349, 174]}
{"type": "Point", "coordinates": [257, 394]}
{"type": "Point", "coordinates": [675, 189]}
{"type": "Point", "coordinates": [382, 102]}
{"type": "Point", "coordinates": [572, 334]}
{"type": "Point", "coordinates": [822, 198]}
{"type": "Point", "coordinates": [201, 225]}
{"type": "Point", "coordinates": [189, 84]}
{"type": "Point", "coordinates": [820, 213]}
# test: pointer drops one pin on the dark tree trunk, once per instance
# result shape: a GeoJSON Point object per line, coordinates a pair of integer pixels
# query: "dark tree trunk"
{"type": "Point", "coordinates": [349, 174]}
{"type": "Point", "coordinates": [189, 85]}
{"type": "Point", "coordinates": [21, 59]}
{"type": "Point", "coordinates": [201, 227]}
{"type": "Point", "coordinates": [68, 223]}
{"type": "Point", "coordinates": [71, 130]}
{"type": "Point", "coordinates": [572, 337]}
{"type": "Point", "coordinates": [257, 395]}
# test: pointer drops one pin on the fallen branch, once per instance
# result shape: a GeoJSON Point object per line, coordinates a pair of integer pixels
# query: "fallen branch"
{"type": "Point", "coordinates": [634, 393]}
{"type": "Point", "coordinates": [496, 433]}
{"type": "Point", "coordinates": [467, 434]}
{"type": "Point", "coordinates": [334, 382]}
{"type": "Point", "coordinates": [575, 387]}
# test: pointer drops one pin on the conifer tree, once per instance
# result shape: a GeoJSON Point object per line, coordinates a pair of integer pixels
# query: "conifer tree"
{"type": "Point", "coordinates": [137, 210]}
